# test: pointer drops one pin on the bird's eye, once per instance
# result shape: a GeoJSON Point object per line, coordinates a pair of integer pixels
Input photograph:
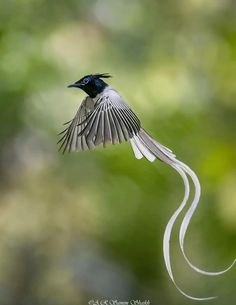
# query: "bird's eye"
{"type": "Point", "coordinates": [86, 80]}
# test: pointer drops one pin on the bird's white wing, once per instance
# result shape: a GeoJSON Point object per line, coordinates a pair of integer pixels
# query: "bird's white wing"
{"type": "Point", "coordinates": [110, 121]}
{"type": "Point", "coordinates": [70, 141]}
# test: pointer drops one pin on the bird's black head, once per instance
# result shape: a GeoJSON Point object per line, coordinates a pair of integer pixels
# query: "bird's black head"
{"type": "Point", "coordinates": [92, 84]}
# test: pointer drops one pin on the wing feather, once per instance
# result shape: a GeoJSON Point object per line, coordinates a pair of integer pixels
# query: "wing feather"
{"type": "Point", "coordinates": [93, 130]}
{"type": "Point", "coordinates": [122, 124]}
{"type": "Point", "coordinates": [114, 132]}
{"type": "Point", "coordinates": [107, 127]}
{"type": "Point", "coordinates": [118, 126]}
{"type": "Point", "coordinates": [128, 117]}
{"type": "Point", "coordinates": [99, 134]}
{"type": "Point", "coordinates": [70, 141]}
{"type": "Point", "coordinates": [103, 121]}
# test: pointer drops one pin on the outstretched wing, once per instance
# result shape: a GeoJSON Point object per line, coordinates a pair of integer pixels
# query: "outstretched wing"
{"type": "Point", "coordinates": [70, 140]}
{"type": "Point", "coordinates": [110, 121]}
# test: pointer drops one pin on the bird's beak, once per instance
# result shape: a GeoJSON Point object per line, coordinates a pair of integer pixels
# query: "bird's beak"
{"type": "Point", "coordinates": [74, 85]}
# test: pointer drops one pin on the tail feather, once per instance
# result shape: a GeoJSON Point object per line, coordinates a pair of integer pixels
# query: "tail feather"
{"type": "Point", "coordinates": [167, 236]}
{"type": "Point", "coordinates": [143, 148]}
{"type": "Point", "coordinates": [161, 147]}
{"type": "Point", "coordinates": [144, 145]}
{"type": "Point", "coordinates": [150, 148]}
{"type": "Point", "coordinates": [188, 216]}
{"type": "Point", "coordinates": [136, 150]}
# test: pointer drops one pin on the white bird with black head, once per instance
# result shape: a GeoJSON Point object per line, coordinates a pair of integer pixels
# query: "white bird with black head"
{"type": "Point", "coordinates": [105, 118]}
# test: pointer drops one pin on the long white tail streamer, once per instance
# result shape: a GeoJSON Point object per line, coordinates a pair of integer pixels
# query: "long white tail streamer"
{"type": "Point", "coordinates": [187, 218]}
{"type": "Point", "coordinates": [167, 235]}
{"type": "Point", "coordinates": [144, 145]}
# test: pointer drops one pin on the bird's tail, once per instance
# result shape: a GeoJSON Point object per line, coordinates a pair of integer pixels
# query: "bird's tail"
{"type": "Point", "coordinates": [144, 145]}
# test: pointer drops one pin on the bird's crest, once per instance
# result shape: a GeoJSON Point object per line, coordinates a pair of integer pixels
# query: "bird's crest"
{"type": "Point", "coordinates": [102, 75]}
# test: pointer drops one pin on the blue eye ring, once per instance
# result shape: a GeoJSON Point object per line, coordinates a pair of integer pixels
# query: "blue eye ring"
{"type": "Point", "coordinates": [86, 81]}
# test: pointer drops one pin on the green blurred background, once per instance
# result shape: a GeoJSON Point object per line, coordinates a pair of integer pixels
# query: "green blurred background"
{"type": "Point", "coordinates": [85, 226]}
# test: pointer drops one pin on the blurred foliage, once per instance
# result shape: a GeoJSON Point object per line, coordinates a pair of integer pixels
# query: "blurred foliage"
{"type": "Point", "coordinates": [90, 225]}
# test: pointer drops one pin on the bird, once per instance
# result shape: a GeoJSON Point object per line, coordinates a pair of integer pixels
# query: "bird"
{"type": "Point", "coordinates": [104, 118]}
